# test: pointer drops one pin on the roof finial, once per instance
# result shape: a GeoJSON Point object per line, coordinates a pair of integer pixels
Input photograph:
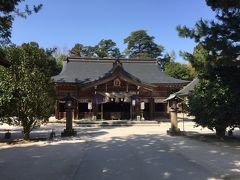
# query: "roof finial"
{"type": "Point", "coordinates": [117, 62]}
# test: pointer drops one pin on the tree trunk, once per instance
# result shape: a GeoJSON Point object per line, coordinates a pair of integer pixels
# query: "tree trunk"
{"type": "Point", "coordinates": [220, 132]}
{"type": "Point", "coordinates": [26, 133]}
{"type": "Point", "coordinates": [26, 136]}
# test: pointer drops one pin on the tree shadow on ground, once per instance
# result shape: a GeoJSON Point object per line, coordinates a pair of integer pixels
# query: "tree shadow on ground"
{"type": "Point", "coordinates": [146, 155]}
{"type": "Point", "coordinates": [211, 138]}
{"type": "Point", "coordinates": [142, 157]}
{"type": "Point", "coordinates": [43, 134]}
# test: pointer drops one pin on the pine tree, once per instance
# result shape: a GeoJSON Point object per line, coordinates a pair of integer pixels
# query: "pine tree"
{"type": "Point", "coordinates": [216, 102]}
{"type": "Point", "coordinates": [141, 45]}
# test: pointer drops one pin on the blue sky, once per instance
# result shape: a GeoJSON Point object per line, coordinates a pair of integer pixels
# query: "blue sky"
{"type": "Point", "coordinates": [63, 23]}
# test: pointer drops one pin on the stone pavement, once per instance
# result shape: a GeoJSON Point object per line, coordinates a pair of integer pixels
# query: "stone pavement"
{"type": "Point", "coordinates": [119, 153]}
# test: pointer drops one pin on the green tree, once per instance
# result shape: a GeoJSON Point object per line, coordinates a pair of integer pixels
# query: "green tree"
{"type": "Point", "coordinates": [192, 71]}
{"type": "Point", "coordinates": [76, 50]}
{"type": "Point", "coordinates": [8, 11]}
{"type": "Point", "coordinates": [26, 89]}
{"type": "Point", "coordinates": [104, 49]}
{"type": "Point", "coordinates": [167, 58]}
{"type": "Point", "coordinates": [216, 59]}
{"type": "Point", "coordinates": [179, 71]}
{"type": "Point", "coordinates": [59, 55]}
{"type": "Point", "coordinates": [141, 45]}
{"type": "Point", "coordinates": [54, 60]}
{"type": "Point", "coordinates": [107, 48]}
{"type": "Point", "coordinates": [59, 63]}
{"type": "Point", "coordinates": [212, 103]}
{"type": "Point", "coordinates": [80, 50]}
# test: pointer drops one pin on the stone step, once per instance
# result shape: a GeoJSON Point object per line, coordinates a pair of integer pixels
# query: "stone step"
{"type": "Point", "coordinates": [89, 123]}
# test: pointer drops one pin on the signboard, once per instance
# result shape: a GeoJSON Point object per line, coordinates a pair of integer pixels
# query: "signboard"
{"type": "Point", "coordinates": [98, 99]}
{"type": "Point", "coordinates": [133, 102]}
{"type": "Point", "coordinates": [142, 107]}
{"type": "Point", "coordinates": [89, 105]}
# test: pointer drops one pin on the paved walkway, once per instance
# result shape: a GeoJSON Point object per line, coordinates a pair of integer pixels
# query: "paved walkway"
{"type": "Point", "coordinates": [124, 153]}
{"type": "Point", "coordinates": [138, 157]}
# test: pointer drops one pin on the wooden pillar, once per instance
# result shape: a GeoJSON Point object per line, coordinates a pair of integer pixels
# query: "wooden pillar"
{"type": "Point", "coordinates": [95, 109]}
{"type": "Point", "coordinates": [101, 111]}
{"type": "Point", "coordinates": [137, 109]}
{"type": "Point", "coordinates": [151, 108]}
{"type": "Point", "coordinates": [131, 111]}
{"type": "Point", "coordinates": [76, 111]}
{"type": "Point", "coordinates": [64, 115]}
{"type": "Point", "coordinates": [56, 107]}
{"type": "Point", "coordinates": [73, 114]}
{"type": "Point", "coordinates": [134, 112]}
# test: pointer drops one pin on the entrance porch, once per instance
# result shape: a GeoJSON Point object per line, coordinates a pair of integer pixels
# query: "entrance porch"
{"type": "Point", "coordinates": [114, 110]}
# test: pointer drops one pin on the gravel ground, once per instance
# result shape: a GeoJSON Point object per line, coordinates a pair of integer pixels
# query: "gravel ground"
{"type": "Point", "coordinates": [69, 158]}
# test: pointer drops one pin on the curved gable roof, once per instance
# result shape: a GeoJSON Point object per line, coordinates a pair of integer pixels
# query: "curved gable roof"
{"type": "Point", "coordinates": [78, 70]}
{"type": "Point", "coordinates": [188, 88]}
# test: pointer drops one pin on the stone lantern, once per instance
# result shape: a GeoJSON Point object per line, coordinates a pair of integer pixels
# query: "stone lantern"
{"type": "Point", "coordinates": [173, 99]}
{"type": "Point", "coordinates": [174, 130]}
{"type": "Point", "coordinates": [69, 106]}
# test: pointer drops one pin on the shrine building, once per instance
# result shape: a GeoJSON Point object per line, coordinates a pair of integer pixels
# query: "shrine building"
{"type": "Point", "coordinates": [126, 89]}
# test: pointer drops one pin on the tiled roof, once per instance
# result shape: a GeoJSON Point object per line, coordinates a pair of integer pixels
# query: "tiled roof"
{"type": "Point", "coordinates": [79, 70]}
{"type": "Point", "coordinates": [188, 88]}
{"type": "Point", "coordinates": [185, 91]}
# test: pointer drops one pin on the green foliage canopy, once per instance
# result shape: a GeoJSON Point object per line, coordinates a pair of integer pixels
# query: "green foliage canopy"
{"type": "Point", "coordinates": [104, 49]}
{"type": "Point", "coordinates": [179, 71]}
{"type": "Point", "coordinates": [80, 50]}
{"type": "Point", "coordinates": [26, 90]}
{"type": "Point", "coordinates": [141, 45]}
{"type": "Point", "coordinates": [216, 59]}
{"type": "Point", "coordinates": [214, 106]}
{"type": "Point", "coordinates": [107, 48]}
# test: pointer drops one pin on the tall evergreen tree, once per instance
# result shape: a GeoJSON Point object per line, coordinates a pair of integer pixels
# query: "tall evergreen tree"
{"type": "Point", "coordinates": [216, 101]}
{"type": "Point", "coordinates": [104, 49]}
{"type": "Point", "coordinates": [107, 48]}
{"type": "Point", "coordinates": [141, 45]}
{"type": "Point", "coordinates": [167, 58]}
{"type": "Point", "coordinates": [179, 71]}
{"type": "Point", "coordinates": [80, 50]}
